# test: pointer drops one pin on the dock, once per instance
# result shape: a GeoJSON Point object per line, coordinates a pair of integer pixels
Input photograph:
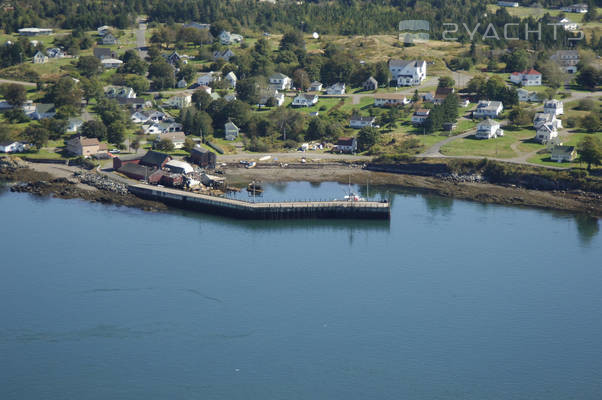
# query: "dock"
{"type": "Point", "coordinates": [264, 210]}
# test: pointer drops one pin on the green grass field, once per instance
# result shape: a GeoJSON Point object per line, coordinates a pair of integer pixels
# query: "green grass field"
{"type": "Point", "coordinates": [498, 147]}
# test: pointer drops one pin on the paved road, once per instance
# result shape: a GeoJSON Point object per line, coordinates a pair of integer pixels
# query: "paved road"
{"type": "Point", "coordinates": [17, 82]}
{"type": "Point", "coordinates": [141, 39]}
{"type": "Point", "coordinates": [294, 155]}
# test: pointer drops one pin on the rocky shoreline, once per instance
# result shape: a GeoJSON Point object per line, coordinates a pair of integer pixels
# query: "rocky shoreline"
{"type": "Point", "coordinates": [82, 185]}
{"type": "Point", "coordinates": [89, 186]}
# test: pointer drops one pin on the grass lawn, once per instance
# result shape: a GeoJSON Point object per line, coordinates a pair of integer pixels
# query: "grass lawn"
{"type": "Point", "coordinates": [365, 102]}
{"type": "Point", "coordinates": [430, 140]}
{"type": "Point", "coordinates": [498, 147]}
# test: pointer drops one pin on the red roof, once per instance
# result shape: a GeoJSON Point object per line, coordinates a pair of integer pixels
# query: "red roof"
{"type": "Point", "coordinates": [531, 71]}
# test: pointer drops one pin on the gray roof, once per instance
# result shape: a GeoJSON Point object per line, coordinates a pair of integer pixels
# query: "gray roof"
{"type": "Point", "coordinates": [278, 75]}
{"type": "Point", "coordinates": [566, 150]}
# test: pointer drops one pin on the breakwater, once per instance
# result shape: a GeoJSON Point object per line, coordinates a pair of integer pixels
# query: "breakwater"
{"type": "Point", "coordinates": [267, 210]}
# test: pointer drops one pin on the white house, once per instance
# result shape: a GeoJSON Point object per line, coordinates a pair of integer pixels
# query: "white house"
{"type": "Point", "coordinates": [178, 138]}
{"type": "Point", "coordinates": [336, 89]}
{"type": "Point", "coordinates": [543, 118]}
{"type": "Point", "coordinates": [420, 116]}
{"type": "Point", "coordinates": [555, 107]}
{"type": "Point", "coordinates": [11, 146]}
{"type": "Point", "coordinates": [566, 24]}
{"type": "Point", "coordinates": [109, 63]}
{"type": "Point", "coordinates": [39, 58]}
{"type": "Point", "coordinates": [576, 8]}
{"type": "Point", "coordinates": [120, 91]}
{"type": "Point", "coordinates": [267, 94]}
{"type": "Point", "coordinates": [488, 129]}
{"type": "Point", "coordinates": [103, 30]}
{"type": "Point", "coordinates": [545, 133]}
{"type": "Point", "coordinates": [206, 78]}
{"type": "Point", "coordinates": [180, 101]}
{"type": "Point", "coordinates": [231, 78]}
{"type": "Point", "coordinates": [408, 73]}
{"type": "Point", "coordinates": [225, 55]}
{"type": "Point", "coordinates": [563, 153]}
{"type": "Point", "coordinates": [358, 122]}
{"type": "Point", "coordinates": [109, 39]}
{"type": "Point", "coordinates": [488, 109]}
{"type": "Point", "coordinates": [43, 111]}
{"type": "Point", "coordinates": [231, 131]}
{"type": "Point", "coordinates": [55, 52]}
{"type": "Point", "coordinates": [525, 95]}
{"type": "Point", "coordinates": [390, 99]}
{"type": "Point", "coordinates": [315, 86]}
{"type": "Point", "coordinates": [507, 4]}
{"type": "Point", "coordinates": [280, 81]}
{"type": "Point", "coordinates": [529, 77]}
{"type": "Point", "coordinates": [567, 60]}
{"type": "Point", "coordinates": [305, 100]}
{"type": "Point", "coordinates": [158, 128]}
{"type": "Point", "coordinates": [74, 124]}
{"type": "Point", "coordinates": [227, 38]}
{"type": "Point", "coordinates": [346, 145]}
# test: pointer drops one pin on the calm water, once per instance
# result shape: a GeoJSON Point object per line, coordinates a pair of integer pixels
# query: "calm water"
{"type": "Point", "coordinates": [450, 300]}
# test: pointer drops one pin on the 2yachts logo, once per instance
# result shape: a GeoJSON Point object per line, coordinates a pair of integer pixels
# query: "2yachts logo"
{"type": "Point", "coordinates": [417, 31]}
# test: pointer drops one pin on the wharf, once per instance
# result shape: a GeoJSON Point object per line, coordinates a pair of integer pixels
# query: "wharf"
{"type": "Point", "coordinates": [264, 210]}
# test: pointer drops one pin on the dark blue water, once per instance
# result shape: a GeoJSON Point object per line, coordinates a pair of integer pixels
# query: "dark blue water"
{"type": "Point", "coordinates": [450, 300]}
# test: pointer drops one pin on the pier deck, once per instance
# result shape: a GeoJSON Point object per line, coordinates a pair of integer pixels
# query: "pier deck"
{"type": "Point", "coordinates": [264, 210]}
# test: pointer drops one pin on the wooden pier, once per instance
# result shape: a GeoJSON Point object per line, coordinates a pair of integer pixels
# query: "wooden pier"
{"type": "Point", "coordinates": [267, 210]}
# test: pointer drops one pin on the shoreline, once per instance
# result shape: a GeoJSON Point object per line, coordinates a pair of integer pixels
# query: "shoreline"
{"type": "Point", "coordinates": [580, 202]}
{"type": "Point", "coordinates": [60, 181]}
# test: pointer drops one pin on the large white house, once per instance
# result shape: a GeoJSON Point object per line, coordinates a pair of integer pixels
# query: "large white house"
{"type": "Point", "coordinates": [346, 145]}
{"type": "Point", "coordinates": [180, 101]}
{"type": "Point", "coordinates": [545, 133]}
{"type": "Point", "coordinates": [408, 73]}
{"type": "Point", "coordinates": [555, 107]}
{"type": "Point", "coordinates": [420, 116]}
{"type": "Point", "coordinates": [336, 89]}
{"type": "Point", "coordinates": [529, 77]}
{"type": "Point", "coordinates": [525, 95]}
{"type": "Point", "coordinates": [576, 8]}
{"type": "Point", "coordinates": [305, 100]}
{"type": "Point", "coordinates": [280, 81]}
{"type": "Point", "coordinates": [543, 118]}
{"type": "Point", "coordinates": [567, 60]}
{"type": "Point", "coordinates": [11, 146]}
{"type": "Point", "coordinates": [513, 4]}
{"type": "Point", "coordinates": [488, 129]}
{"type": "Point", "coordinates": [206, 78]}
{"type": "Point", "coordinates": [227, 38]}
{"type": "Point", "coordinates": [231, 131]}
{"type": "Point", "coordinates": [359, 122]}
{"type": "Point", "coordinates": [390, 99]}
{"type": "Point", "coordinates": [231, 78]}
{"type": "Point", "coordinates": [488, 109]}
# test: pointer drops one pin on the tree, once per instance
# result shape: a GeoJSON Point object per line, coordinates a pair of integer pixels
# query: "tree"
{"type": "Point", "coordinates": [446, 82]}
{"type": "Point", "coordinates": [301, 79]}
{"type": "Point", "coordinates": [37, 135]}
{"type": "Point", "coordinates": [92, 88]}
{"type": "Point", "coordinates": [292, 40]}
{"type": "Point", "coordinates": [116, 132]}
{"type": "Point", "coordinates": [94, 129]}
{"type": "Point", "coordinates": [132, 64]}
{"type": "Point", "coordinates": [162, 74]}
{"type": "Point", "coordinates": [65, 92]}
{"type": "Point", "coordinates": [188, 144]}
{"type": "Point", "coordinates": [14, 94]}
{"type": "Point", "coordinates": [139, 83]}
{"type": "Point", "coordinates": [590, 151]}
{"type": "Point", "coordinates": [135, 144]}
{"type": "Point", "coordinates": [247, 90]}
{"type": "Point", "coordinates": [366, 138]}
{"type": "Point", "coordinates": [519, 116]}
{"type": "Point", "coordinates": [88, 66]}
{"type": "Point", "coordinates": [201, 99]}
{"type": "Point", "coordinates": [591, 122]}
{"type": "Point", "coordinates": [110, 111]}
{"type": "Point", "coordinates": [589, 77]}
{"type": "Point", "coordinates": [517, 61]}
{"type": "Point", "coordinates": [165, 144]}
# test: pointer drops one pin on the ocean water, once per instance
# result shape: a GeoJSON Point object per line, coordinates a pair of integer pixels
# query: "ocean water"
{"type": "Point", "coordinates": [448, 300]}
